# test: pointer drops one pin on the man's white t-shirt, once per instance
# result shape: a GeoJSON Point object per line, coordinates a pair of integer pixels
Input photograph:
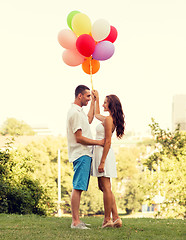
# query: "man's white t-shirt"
{"type": "Point", "coordinates": [77, 119]}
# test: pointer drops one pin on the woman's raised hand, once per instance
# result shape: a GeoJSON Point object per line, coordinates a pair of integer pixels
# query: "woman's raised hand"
{"type": "Point", "coordinates": [96, 94]}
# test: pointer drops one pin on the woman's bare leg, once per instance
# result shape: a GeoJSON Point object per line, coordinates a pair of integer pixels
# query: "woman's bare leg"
{"type": "Point", "coordinates": [114, 209]}
{"type": "Point", "coordinates": [107, 197]}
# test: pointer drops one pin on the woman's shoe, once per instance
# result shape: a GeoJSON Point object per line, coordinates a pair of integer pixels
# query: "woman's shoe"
{"type": "Point", "coordinates": [107, 224]}
{"type": "Point", "coordinates": [117, 223]}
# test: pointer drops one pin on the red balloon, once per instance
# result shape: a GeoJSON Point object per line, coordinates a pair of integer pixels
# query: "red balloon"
{"type": "Point", "coordinates": [85, 45]}
{"type": "Point", "coordinates": [112, 35]}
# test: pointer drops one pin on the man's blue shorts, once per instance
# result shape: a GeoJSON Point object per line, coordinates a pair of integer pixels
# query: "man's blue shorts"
{"type": "Point", "coordinates": [82, 168]}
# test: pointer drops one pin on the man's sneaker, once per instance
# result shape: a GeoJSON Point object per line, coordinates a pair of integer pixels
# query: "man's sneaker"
{"type": "Point", "coordinates": [79, 226]}
{"type": "Point", "coordinates": [86, 224]}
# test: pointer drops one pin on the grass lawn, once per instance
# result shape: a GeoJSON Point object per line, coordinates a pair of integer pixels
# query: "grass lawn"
{"type": "Point", "coordinates": [33, 227]}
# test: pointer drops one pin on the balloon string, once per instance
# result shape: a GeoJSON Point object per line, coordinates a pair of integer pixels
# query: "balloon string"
{"type": "Point", "coordinates": [91, 75]}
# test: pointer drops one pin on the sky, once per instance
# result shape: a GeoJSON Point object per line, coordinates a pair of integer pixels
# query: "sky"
{"type": "Point", "coordinates": [145, 72]}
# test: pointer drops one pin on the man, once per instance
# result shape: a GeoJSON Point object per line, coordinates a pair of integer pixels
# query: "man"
{"type": "Point", "coordinates": [80, 148]}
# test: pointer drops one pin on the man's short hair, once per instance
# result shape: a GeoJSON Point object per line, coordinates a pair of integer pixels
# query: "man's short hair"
{"type": "Point", "coordinates": [80, 89]}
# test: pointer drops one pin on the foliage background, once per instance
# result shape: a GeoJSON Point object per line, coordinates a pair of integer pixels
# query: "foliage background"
{"type": "Point", "coordinates": [29, 176]}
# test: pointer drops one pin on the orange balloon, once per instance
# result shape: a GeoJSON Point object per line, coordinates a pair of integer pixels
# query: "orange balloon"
{"type": "Point", "coordinates": [86, 66]}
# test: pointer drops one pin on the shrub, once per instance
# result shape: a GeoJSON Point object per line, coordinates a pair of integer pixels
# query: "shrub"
{"type": "Point", "coordinates": [19, 192]}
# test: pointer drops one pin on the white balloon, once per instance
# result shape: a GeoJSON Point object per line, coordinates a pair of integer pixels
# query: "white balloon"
{"type": "Point", "coordinates": [100, 29]}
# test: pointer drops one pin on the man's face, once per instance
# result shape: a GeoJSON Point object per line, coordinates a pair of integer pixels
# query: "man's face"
{"type": "Point", "coordinates": [85, 98]}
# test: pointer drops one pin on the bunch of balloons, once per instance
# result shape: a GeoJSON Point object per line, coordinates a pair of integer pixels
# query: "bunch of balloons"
{"type": "Point", "coordinates": [86, 43]}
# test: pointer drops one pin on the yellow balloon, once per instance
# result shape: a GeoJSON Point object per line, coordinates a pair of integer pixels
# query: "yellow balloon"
{"type": "Point", "coordinates": [81, 24]}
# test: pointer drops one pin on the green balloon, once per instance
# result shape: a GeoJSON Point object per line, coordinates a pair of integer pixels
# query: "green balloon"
{"type": "Point", "coordinates": [69, 18]}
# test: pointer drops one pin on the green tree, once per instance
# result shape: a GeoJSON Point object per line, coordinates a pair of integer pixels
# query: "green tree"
{"type": "Point", "coordinates": [43, 154]}
{"type": "Point", "coordinates": [15, 127]}
{"type": "Point", "coordinates": [19, 192]}
{"type": "Point", "coordinates": [166, 171]}
{"type": "Point", "coordinates": [92, 200]}
{"type": "Point", "coordinates": [129, 179]}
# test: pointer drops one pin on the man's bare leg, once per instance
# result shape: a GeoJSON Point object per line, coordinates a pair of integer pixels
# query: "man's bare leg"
{"type": "Point", "coordinates": [75, 203]}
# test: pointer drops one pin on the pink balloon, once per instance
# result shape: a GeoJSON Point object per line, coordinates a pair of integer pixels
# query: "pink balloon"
{"type": "Point", "coordinates": [72, 57]}
{"type": "Point", "coordinates": [85, 45]}
{"type": "Point", "coordinates": [67, 39]}
{"type": "Point", "coordinates": [103, 50]}
{"type": "Point", "coordinates": [112, 35]}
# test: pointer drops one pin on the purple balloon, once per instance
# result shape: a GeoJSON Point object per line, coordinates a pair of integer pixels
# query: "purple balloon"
{"type": "Point", "coordinates": [103, 51]}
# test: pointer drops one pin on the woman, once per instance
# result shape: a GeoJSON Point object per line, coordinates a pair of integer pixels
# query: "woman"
{"type": "Point", "coordinates": [104, 164]}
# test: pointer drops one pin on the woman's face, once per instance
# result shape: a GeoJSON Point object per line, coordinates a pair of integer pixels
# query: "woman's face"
{"type": "Point", "coordinates": [105, 105]}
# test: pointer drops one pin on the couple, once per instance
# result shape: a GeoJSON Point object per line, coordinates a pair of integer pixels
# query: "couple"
{"type": "Point", "coordinates": [80, 144]}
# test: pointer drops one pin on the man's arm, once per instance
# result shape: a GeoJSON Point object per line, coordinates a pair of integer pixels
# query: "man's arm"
{"type": "Point", "coordinates": [92, 110]}
{"type": "Point", "coordinates": [87, 141]}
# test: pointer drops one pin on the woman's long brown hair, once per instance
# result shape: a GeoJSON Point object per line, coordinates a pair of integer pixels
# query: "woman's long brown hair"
{"type": "Point", "coordinates": [117, 114]}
